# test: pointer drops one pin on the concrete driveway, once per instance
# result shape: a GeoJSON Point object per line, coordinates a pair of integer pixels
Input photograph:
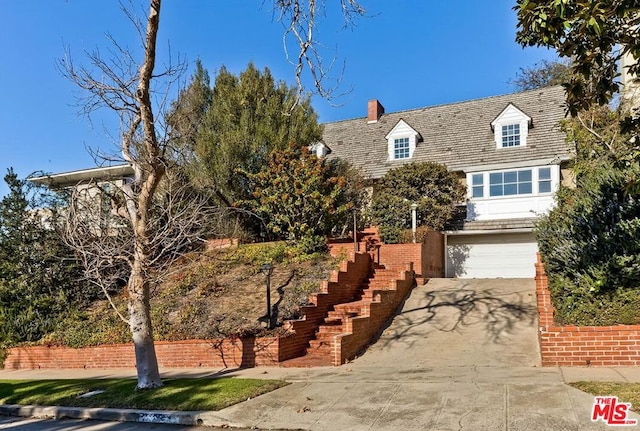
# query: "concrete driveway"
{"type": "Point", "coordinates": [462, 323]}
{"type": "Point", "coordinates": [461, 355]}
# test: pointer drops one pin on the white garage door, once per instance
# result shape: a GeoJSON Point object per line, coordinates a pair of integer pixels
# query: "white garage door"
{"type": "Point", "coordinates": [491, 256]}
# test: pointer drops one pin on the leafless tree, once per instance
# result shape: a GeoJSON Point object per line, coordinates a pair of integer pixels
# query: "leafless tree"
{"type": "Point", "coordinates": [300, 19]}
{"type": "Point", "coordinates": [150, 222]}
{"type": "Point", "coordinates": [121, 85]}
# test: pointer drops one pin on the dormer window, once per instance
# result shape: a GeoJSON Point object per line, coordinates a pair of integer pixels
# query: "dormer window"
{"type": "Point", "coordinates": [511, 128]}
{"type": "Point", "coordinates": [511, 135]}
{"type": "Point", "coordinates": [402, 141]}
{"type": "Point", "coordinates": [401, 148]}
{"type": "Point", "coordinates": [320, 149]}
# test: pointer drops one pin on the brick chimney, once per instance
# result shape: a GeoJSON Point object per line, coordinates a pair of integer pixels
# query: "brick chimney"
{"type": "Point", "coordinates": [375, 111]}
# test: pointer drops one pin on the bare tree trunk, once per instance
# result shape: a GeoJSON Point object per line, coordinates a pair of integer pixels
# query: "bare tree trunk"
{"type": "Point", "coordinates": [139, 306]}
{"type": "Point", "coordinates": [141, 329]}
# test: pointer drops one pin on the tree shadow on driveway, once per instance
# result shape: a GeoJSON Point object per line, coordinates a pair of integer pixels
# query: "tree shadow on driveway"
{"type": "Point", "coordinates": [485, 314]}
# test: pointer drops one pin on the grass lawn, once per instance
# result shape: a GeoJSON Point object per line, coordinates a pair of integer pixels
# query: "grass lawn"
{"type": "Point", "coordinates": [626, 392]}
{"type": "Point", "coordinates": [176, 394]}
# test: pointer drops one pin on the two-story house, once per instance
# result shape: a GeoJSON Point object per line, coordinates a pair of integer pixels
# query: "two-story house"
{"type": "Point", "coordinates": [508, 150]}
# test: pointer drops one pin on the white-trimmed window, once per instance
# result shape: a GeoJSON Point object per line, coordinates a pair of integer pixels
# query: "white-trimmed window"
{"type": "Point", "coordinates": [402, 141]}
{"type": "Point", "coordinates": [544, 180]}
{"type": "Point", "coordinates": [401, 148]}
{"type": "Point", "coordinates": [510, 183]}
{"type": "Point", "coordinates": [477, 185]}
{"type": "Point", "coordinates": [511, 128]}
{"type": "Point", "coordinates": [511, 135]}
{"type": "Point", "coordinates": [523, 182]}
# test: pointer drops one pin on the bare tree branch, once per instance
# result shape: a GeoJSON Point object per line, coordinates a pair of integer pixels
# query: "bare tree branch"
{"type": "Point", "coordinates": [300, 19]}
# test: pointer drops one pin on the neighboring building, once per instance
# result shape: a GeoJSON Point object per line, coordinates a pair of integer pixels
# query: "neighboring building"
{"type": "Point", "coordinates": [90, 188]}
{"type": "Point", "coordinates": [87, 179]}
{"type": "Point", "coordinates": [630, 84]}
{"type": "Point", "coordinates": [508, 150]}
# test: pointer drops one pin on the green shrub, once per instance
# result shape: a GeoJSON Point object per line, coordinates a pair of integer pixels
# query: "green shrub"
{"type": "Point", "coordinates": [300, 197]}
{"type": "Point", "coordinates": [429, 185]}
{"type": "Point", "coordinates": [590, 247]}
{"type": "Point", "coordinates": [311, 244]}
{"type": "Point", "coordinates": [257, 254]}
{"type": "Point", "coordinates": [392, 214]}
{"type": "Point", "coordinates": [82, 330]}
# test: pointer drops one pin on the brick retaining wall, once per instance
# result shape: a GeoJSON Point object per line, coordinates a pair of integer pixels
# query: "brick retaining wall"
{"type": "Point", "coordinates": [341, 287]}
{"type": "Point", "coordinates": [582, 345]}
{"type": "Point", "coordinates": [427, 257]}
{"type": "Point", "coordinates": [362, 329]}
{"type": "Point", "coordinates": [223, 353]}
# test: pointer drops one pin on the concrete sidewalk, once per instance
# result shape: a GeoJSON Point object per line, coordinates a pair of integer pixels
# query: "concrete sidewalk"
{"type": "Point", "coordinates": [439, 399]}
{"type": "Point", "coordinates": [354, 397]}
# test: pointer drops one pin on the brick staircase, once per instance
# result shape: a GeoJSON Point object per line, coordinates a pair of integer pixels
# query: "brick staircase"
{"type": "Point", "coordinates": [349, 327]}
{"type": "Point", "coordinates": [368, 241]}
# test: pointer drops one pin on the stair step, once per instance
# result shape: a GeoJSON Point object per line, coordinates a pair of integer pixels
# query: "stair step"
{"type": "Point", "coordinates": [379, 284]}
{"type": "Point", "coordinates": [334, 319]}
{"type": "Point", "coordinates": [371, 296]}
{"type": "Point", "coordinates": [330, 329]}
{"type": "Point", "coordinates": [319, 346]}
{"type": "Point", "coordinates": [381, 288]}
{"type": "Point", "coordinates": [341, 314]}
{"type": "Point", "coordinates": [349, 307]}
{"type": "Point", "coordinates": [326, 337]}
{"type": "Point", "coordinates": [391, 275]}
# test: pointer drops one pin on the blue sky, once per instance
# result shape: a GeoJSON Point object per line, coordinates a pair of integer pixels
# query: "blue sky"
{"type": "Point", "coordinates": [405, 53]}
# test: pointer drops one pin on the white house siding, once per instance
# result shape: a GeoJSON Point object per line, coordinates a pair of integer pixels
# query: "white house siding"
{"type": "Point", "coordinates": [503, 255]}
{"type": "Point", "coordinates": [509, 208]}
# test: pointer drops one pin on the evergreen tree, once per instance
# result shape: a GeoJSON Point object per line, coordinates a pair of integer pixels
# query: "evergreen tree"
{"type": "Point", "coordinates": [187, 114]}
{"type": "Point", "coordinates": [234, 126]}
{"type": "Point", "coordinates": [39, 279]}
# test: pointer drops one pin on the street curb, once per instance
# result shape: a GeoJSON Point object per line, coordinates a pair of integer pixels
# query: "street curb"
{"type": "Point", "coordinates": [104, 414]}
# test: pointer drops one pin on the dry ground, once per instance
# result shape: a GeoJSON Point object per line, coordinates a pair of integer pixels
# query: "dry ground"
{"type": "Point", "coordinates": [208, 295]}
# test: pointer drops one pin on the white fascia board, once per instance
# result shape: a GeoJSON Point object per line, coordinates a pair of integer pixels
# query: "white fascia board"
{"type": "Point", "coordinates": [487, 231]}
{"type": "Point", "coordinates": [518, 164]}
{"type": "Point", "coordinates": [511, 111]}
{"type": "Point", "coordinates": [75, 177]}
{"type": "Point", "coordinates": [401, 128]}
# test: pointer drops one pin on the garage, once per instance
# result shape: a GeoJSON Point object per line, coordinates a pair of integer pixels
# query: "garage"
{"type": "Point", "coordinates": [495, 255]}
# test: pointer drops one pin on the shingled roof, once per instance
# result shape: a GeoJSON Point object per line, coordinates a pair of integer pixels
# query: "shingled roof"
{"type": "Point", "coordinates": [458, 135]}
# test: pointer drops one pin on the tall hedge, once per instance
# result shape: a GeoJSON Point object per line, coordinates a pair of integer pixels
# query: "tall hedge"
{"type": "Point", "coordinates": [590, 242]}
